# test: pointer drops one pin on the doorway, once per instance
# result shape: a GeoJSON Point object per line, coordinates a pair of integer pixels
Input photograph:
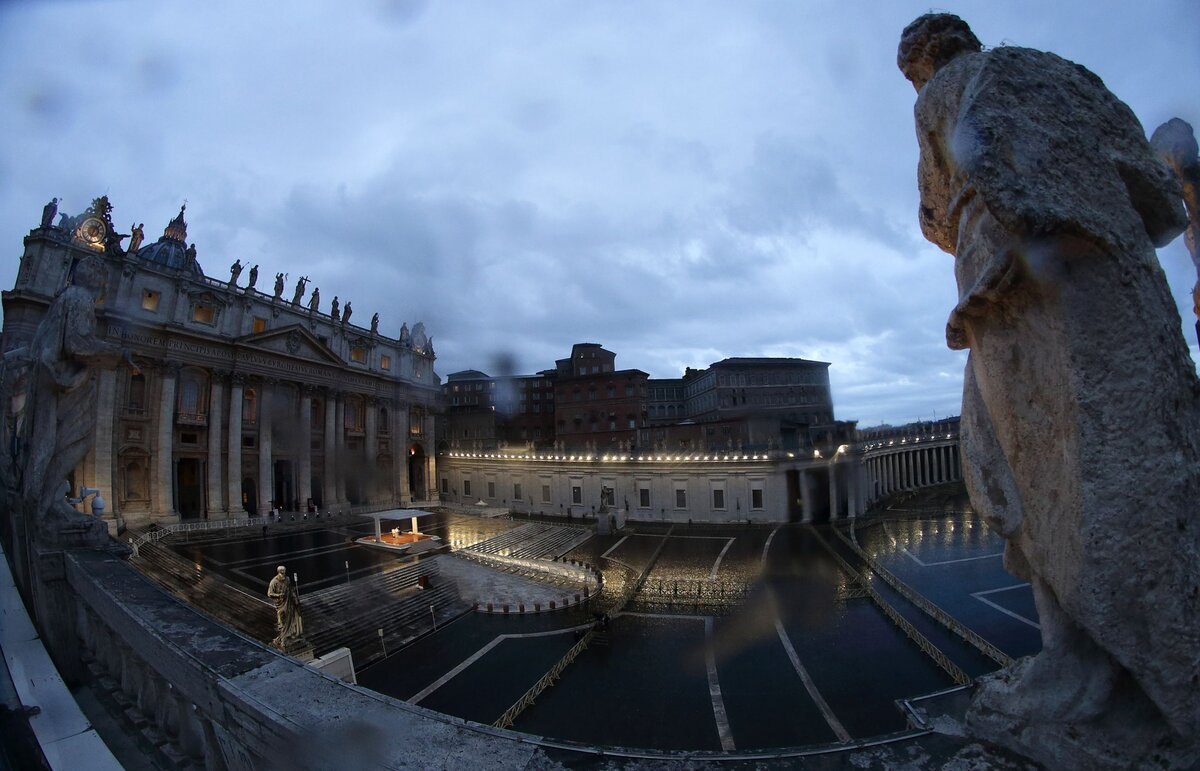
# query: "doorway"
{"type": "Point", "coordinates": [189, 488]}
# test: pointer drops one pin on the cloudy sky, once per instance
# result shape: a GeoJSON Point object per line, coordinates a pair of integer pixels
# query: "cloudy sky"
{"type": "Point", "coordinates": [679, 181]}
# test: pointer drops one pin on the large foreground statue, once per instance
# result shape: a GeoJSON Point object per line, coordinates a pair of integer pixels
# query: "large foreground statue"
{"type": "Point", "coordinates": [1081, 407]}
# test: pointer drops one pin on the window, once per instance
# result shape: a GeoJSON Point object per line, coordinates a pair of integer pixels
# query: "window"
{"type": "Point", "coordinates": [756, 498]}
{"type": "Point", "coordinates": [516, 491]}
{"type": "Point", "coordinates": [644, 497]}
{"type": "Point", "coordinates": [445, 484]}
{"type": "Point", "coordinates": [354, 414]}
{"type": "Point", "coordinates": [204, 314]}
{"type": "Point", "coordinates": [467, 487]}
{"type": "Point", "coordinates": [260, 325]}
{"type": "Point", "coordinates": [491, 489]}
{"type": "Point", "coordinates": [680, 498]}
{"type": "Point", "coordinates": [545, 493]}
{"type": "Point", "coordinates": [189, 437]}
{"type": "Point", "coordinates": [150, 300]}
{"type": "Point", "coordinates": [385, 362]}
{"type": "Point", "coordinates": [358, 354]}
{"type": "Point", "coordinates": [718, 499]}
{"type": "Point", "coordinates": [137, 392]}
{"type": "Point", "coordinates": [249, 406]}
{"type": "Point", "coordinates": [576, 494]}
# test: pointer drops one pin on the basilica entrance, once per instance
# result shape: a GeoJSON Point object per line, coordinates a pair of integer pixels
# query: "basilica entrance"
{"type": "Point", "coordinates": [285, 487]}
{"type": "Point", "coordinates": [416, 473]}
{"type": "Point", "coordinates": [189, 488]}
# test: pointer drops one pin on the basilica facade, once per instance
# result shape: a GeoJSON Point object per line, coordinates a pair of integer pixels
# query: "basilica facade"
{"type": "Point", "coordinates": [232, 400]}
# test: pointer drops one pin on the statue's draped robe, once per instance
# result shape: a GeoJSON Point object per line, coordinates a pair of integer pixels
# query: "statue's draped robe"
{"type": "Point", "coordinates": [1080, 417]}
{"type": "Point", "coordinates": [61, 404]}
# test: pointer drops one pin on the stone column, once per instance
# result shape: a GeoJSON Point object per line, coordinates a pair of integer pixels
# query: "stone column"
{"type": "Point", "coordinates": [266, 481]}
{"type": "Point", "coordinates": [806, 496]}
{"type": "Point", "coordinates": [216, 402]}
{"type": "Point", "coordinates": [833, 491]}
{"type": "Point", "coordinates": [106, 408]}
{"type": "Point", "coordinates": [164, 461]}
{"type": "Point", "coordinates": [907, 470]}
{"type": "Point", "coordinates": [304, 461]}
{"type": "Point", "coordinates": [233, 471]}
{"type": "Point", "coordinates": [329, 482]}
{"type": "Point", "coordinates": [430, 458]}
{"type": "Point", "coordinates": [371, 444]}
{"type": "Point", "coordinates": [340, 448]}
{"type": "Point", "coordinates": [400, 442]}
{"type": "Point", "coordinates": [852, 482]}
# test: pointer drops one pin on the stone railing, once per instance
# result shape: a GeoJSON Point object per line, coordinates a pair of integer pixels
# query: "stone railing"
{"type": "Point", "coordinates": [158, 533]}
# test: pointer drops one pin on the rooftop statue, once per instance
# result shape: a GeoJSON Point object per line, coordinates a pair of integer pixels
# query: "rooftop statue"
{"type": "Point", "coordinates": [235, 270]}
{"type": "Point", "coordinates": [346, 313]}
{"type": "Point", "coordinates": [375, 324]}
{"type": "Point", "coordinates": [299, 293]}
{"type": "Point", "coordinates": [314, 302]}
{"type": "Point", "coordinates": [333, 308]}
{"type": "Point", "coordinates": [48, 212]}
{"type": "Point", "coordinates": [1080, 416]}
{"type": "Point", "coordinates": [252, 279]}
{"type": "Point", "coordinates": [136, 236]}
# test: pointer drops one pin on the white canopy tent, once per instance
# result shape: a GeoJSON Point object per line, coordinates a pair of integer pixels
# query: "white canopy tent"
{"type": "Point", "coordinates": [397, 514]}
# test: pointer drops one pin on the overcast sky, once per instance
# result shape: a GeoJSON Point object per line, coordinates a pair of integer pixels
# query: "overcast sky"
{"type": "Point", "coordinates": [679, 181]}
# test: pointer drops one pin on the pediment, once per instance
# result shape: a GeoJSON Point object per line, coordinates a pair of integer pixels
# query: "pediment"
{"type": "Point", "coordinates": [292, 340]}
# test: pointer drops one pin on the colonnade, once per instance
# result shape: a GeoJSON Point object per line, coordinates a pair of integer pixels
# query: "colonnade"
{"type": "Point", "coordinates": [911, 467]}
{"type": "Point", "coordinates": [245, 440]}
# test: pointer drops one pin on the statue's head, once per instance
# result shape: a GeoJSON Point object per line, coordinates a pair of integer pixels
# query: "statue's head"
{"type": "Point", "coordinates": [281, 570]}
{"type": "Point", "coordinates": [932, 41]}
{"type": "Point", "coordinates": [89, 274]}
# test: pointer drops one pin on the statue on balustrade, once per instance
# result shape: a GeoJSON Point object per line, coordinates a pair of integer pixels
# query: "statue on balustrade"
{"type": "Point", "coordinates": [57, 423]}
{"type": "Point", "coordinates": [314, 302]}
{"type": "Point", "coordinates": [333, 308]}
{"type": "Point", "coordinates": [48, 212]}
{"type": "Point", "coordinates": [299, 293]}
{"type": "Point", "coordinates": [375, 324]}
{"type": "Point", "coordinates": [346, 313]}
{"type": "Point", "coordinates": [252, 279]}
{"type": "Point", "coordinates": [235, 270]}
{"type": "Point", "coordinates": [136, 236]}
{"type": "Point", "coordinates": [288, 624]}
{"type": "Point", "coordinates": [1081, 406]}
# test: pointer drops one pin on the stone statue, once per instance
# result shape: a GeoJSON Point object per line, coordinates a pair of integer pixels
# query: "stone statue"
{"type": "Point", "coordinates": [235, 270]}
{"type": "Point", "coordinates": [58, 422]}
{"type": "Point", "coordinates": [48, 212]}
{"type": "Point", "coordinates": [253, 279]}
{"type": "Point", "coordinates": [136, 235]}
{"type": "Point", "coordinates": [191, 255]}
{"type": "Point", "coordinates": [418, 339]}
{"type": "Point", "coordinates": [333, 308]}
{"type": "Point", "coordinates": [278, 286]}
{"type": "Point", "coordinates": [288, 623]}
{"type": "Point", "coordinates": [314, 302]}
{"type": "Point", "coordinates": [346, 313]}
{"type": "Point", "coordinates": [299, 293]}
{"type": "Point", "coordinates": [1080, 407]}
{"type": "Point", "coordinates": [404, 333]}
{"type": "Point", "coordinates": [375, 324]}
{"type": "Point", "coordinates": [1176, 144]}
